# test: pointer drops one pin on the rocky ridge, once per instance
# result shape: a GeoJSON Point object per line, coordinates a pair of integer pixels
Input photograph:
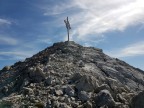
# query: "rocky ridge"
{"type": "Point", "coordinates": [68, 75]}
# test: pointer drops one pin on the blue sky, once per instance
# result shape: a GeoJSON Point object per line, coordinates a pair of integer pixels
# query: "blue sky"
{"type": "Point", "coordinates": [29, 26]}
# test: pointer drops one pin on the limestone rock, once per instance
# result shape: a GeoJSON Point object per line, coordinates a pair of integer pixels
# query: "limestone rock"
{"type": "Point", "coordinates": [83, 96]}
{"type": "Point", "coordinates": [69, 91]}
{"type": "Point", "coordinates": [87, 83]}
{"type": "Point", "coordinates": [104, 98]}
{"type": "Point", "coordinates": [36, 74]}
{"type": "Point", "coordinates": [49, 81]}
{"type": "Point", "coordinates": [88, 104]}
{"type": "Point", "coordinates": [58, 92]}
{"type": "Point", "coordinates": [76, 77]}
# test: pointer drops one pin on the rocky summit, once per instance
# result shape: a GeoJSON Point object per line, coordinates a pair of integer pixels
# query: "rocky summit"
{"type": "Point", "coordinates": [68, 75]}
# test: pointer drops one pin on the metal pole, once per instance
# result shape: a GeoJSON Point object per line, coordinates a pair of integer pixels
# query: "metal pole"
{"type": "Point", "coordinates": [68, 34]}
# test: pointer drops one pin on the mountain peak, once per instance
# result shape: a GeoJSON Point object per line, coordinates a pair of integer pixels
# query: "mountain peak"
{"type": "Point", "coordinates": [81, 75]}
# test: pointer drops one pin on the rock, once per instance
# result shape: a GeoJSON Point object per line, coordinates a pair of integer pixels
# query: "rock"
{"type": "Point", "coordinates": [83, 96]}
{"type": "Point", "coordinates": [39, 105]}
{"type": "Point", "coordinates": [102, 87]}
{"type": "Point", "coordinates": [87, 83]}
{"type": "Point", "coordinates": [120, 105]}
{"type": "Point", "coordinates": [64, 105]}
{"type": "Point", "coordinates": [74, 104]}
{"type": "Point", "coordinates": [72, 98]}
{"type": "Point", "coordinates": [6, 104]}
{"type": "Point", "coordinates": [6, 68]}
{"type": "Point", "coordinates": [81, 63]}
{"type": "Point", "coordinates": [76, 77]}
{"type": "Point", "coordinates": [138, 101]}
{"type": "Point", "coordinates": [58, 92]}
{"type": "Point", "coordinates": [88, 104]}
{"type": "Point", "coordinates": [120, 98]}
{"type": "Point", "coordinates": [61, 99]}
{"type": "Point", "coordinates": [69, 91]}
{"type": "Point", "coordinates": [27, 91]}
{"type": "Point", "coordinates": [67, 100]}
{"type": "Point", "coordinates": [49, 81]}
{"type": "Point", "coordinates": [4, 90]}
{"type": "Point", "coordinates": [52, 90]}
{"type": "Point", "coordinates": [55, 104]}
{"type": "Point", "coordinates": [36, 75]}
{"type": "Point", "coordinates": [104, 98]}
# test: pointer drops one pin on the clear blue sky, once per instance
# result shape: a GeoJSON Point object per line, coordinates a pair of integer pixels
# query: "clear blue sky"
{"type": "Point", "coordinates": [29, 26]}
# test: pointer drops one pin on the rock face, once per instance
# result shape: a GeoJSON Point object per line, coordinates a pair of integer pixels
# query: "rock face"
{"type": "Point", "coordinates": [68, 75]}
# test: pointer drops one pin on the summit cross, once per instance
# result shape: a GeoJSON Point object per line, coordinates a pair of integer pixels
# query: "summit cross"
{"type": "Point", "coordinates": [67, 26]}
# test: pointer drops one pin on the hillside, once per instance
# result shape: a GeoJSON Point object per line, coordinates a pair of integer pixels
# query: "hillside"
{"type": "Point", "coordinates": [68, 75]}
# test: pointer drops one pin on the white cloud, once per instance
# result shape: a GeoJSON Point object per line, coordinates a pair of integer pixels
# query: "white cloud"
{"type": "Point", "coordinates": [4, 21]}
{"type": "Point", "coordinates": [131, 50]}
{"type": "Point", "coordinates": [102, 16]}
{"type": "Point", "coordinates": [93, 17]}
{"type": "Point", "coordinates": [15, 54]}
{"type": "Point", "coordinates": [10, 53]}
{"type": "Point", "coordinates": [5, 40]}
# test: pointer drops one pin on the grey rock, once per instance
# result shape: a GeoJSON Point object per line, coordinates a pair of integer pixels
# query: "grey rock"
{"type": "Point", "coordinates": [120, 98]}
{"type": "Point", "coordinates": [36, 74]}
{"type": "Point", "coordinates": [81, 63]}
{"type": "Point", "coordinates": [83, 96]}
{"type": "Point", "coordinates": [120, 105]}
{"type": "Point", "coordinates": [58, 92]}
{"type": "Point", "coordinates": [69, 91]}
{"type": "Point", "coordinates": [67, 100]}
{"type": "Point", "coordinates": [104, 98]}
{"type": "Point", "coordinates": [27, 91]}
{"type": "Point", "coordinates": [88, 104]}
{"type": "Point", "coordinates": [55, 104]}
{"type": "Point", "coordinates": [102, 87]}
{"type": "Point", "coordinates": [6, 68]}
{"type": "Point", "coordinates": [64, 105]}
{"type": "Point", "coordinates": [49, 81]}
{"type": "Point", "coordinates": [74, 104]}
{"type": "Point", "coordinates": [87, 83]}
{"type": "Point", "coordinates": [138, 101]}
{"type": "Point", "coordinates": [4, 90]}
{"type": "Point", "coordinates": [76, 77]}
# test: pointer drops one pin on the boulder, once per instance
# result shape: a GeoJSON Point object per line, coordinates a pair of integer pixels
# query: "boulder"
{"type": "Point", "coordinates": [58, 92]}
{"type": "Point", "coordinates": [138, 101]}
{"type": "Point", "coordinates": [36, 74]}
{"type": "Point", "coordinates": [49, 81]}
{"type": "Point", "coordinates": [87, 83]}
{"type": "Point", "coordinates": [64, 105]}
{"type": "Point", "coordinates": [69, 91]}
{"type": "Point", "coordinates": [104, 98]}
{"type": "Point", "coordinates": [4, 90]}
{"type": "Point", "coordinates": [27, 91]}
{"type": "Point", "coordinates": [88, 104]}
{"type": "Point", "coordinates": [120, 98]}
{"type": "Point", "coordinates": [6, 68]}
{"type": "Point", "coordinates": [102, 87]}
{"type": "Point", "coordinates": [83, 96]}
{"type": "Point", "coordinates": [76, 77]}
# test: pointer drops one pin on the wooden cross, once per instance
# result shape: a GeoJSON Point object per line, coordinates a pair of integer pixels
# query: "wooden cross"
{"type": "Point", "coordinates": [67, 26]}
